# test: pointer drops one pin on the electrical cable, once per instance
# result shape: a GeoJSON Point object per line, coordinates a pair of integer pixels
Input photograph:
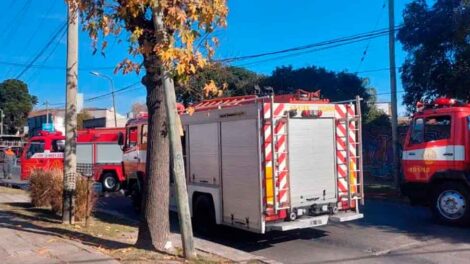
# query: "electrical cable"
{"type": "Point", "coordinates": [42, 51]}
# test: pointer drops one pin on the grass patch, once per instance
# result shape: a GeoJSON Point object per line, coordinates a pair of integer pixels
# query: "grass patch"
{"type": "Point", "coordinates": [12, 190]}
{"type": "Point", "coordinates": [112, 236]}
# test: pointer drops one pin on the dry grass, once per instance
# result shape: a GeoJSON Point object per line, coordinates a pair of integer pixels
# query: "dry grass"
{"type": "Point", "coordinates": [46, 191]}
{"type": "Point", "coordinates": [11, 190]}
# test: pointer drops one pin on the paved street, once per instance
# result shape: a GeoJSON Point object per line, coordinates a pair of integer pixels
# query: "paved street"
{"type": "Point", "coordinates": [391, 233]}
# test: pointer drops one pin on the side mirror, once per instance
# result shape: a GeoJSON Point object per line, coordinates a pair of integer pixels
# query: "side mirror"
{"type": "Point", "coordinates": [121, 139]}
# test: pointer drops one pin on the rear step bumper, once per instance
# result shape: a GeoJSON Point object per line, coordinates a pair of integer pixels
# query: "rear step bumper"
{"type": "Point", "coordinates": [313, 221]}
{"type": "Point", "coordinates": [304, 222]}
{"type": "Point", "coordinates": [345, 216]}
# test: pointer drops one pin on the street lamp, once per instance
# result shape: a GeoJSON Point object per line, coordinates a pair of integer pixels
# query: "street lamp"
{"type": "Point", "coordinates": [111, 83]}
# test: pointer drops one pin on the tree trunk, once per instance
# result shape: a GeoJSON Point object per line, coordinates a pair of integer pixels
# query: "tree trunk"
{"type": "Point", "coordinates": [154, 225]}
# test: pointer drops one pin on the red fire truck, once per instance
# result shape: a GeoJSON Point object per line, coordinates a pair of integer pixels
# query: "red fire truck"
{"type": "Point", "coordinates": [98, 155]}
{"type": "Point", "coordinates": [436, 159]}
{"type": "Point", "coordinates": [264, 163]}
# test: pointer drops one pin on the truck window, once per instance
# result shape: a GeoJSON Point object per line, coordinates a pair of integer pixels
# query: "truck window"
{"type": "Point", "coordinates": [58, 145]}
{"type": "Point", "coordinates": [437, 128]}
{"type": "Point", "coordinates": [144, 133]}
{"type": "Point", "coordinates": [417, 132]}
{"type": "Point", "coordinates": [468, 122]}
{"type": "Point", "coordinates": [132, 137]}
{"type": "Point", "coordinates": [36, 146]}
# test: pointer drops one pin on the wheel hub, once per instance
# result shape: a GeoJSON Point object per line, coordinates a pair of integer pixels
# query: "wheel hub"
{"type": "Point", "coordinates": [110, 182]}
{"type": "Point", "coordinates": [451, 204]}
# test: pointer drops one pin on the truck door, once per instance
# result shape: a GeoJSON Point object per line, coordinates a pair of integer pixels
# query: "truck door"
{"type": "Point", "coordinates": [430, 147]}
{"type": "Point", "coordinates": [32, 158]}
{"type": "Point", "coordinates": [312, 161]}
{"type": "Point", "coordinates": [131, 156]}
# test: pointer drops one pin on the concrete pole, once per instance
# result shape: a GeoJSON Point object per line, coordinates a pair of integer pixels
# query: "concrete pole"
{"type": "Point", "coordinates": [176, 151]}
{"type": "Point", "coordinates": [393, 92]}
{"type": "Point", "coordinates": [70, 158]}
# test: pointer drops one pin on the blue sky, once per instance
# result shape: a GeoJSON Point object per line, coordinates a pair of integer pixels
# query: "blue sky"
{"type": "Point", "coordinates": [253, 27]}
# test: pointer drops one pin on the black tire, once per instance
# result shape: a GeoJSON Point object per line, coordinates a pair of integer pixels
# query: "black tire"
{"type": "Point", "coordinates": [136, 196]}
{"type": "Point", "coordinates": [110, 182]}
{"type": "Point", "coordinates": [451, 204]}
{"type": "Point", "coordinates": [204, 215]}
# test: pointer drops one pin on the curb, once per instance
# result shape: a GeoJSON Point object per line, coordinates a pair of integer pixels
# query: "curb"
{"type": "Point", "coordinates": [235, 255]}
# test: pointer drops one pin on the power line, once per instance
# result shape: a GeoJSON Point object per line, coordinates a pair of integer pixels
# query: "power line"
{"type": "Point", "coordinates": [125, 89]}
{"type": "Point", "coordinates": [116, 91]}
{"type": "Point", "coordinates": [16, 21]}
{"type": "Point", "coordinates": [366, 49]}
{"type": "Point", "coordinates": [51, 53]}
{"type": "Point", "coordinates": [309, 51]}
{"type": "Point", "coordinates": [51, 67]}
{"type": "Point", "coordinates": [42, 51]}
{"type": "Point", "coordinates": [356, 37]}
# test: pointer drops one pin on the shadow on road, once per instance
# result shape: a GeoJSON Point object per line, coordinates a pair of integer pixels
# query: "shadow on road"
{"type": "Point", "coordinates": [414, 221]}
{"type": "Point", "coordinates": [393, 217]}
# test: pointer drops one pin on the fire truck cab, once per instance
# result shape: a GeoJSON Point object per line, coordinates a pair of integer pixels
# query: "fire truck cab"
{"type": "Point", "coordinates": [264, 163]}
{"type": "Point", "coordinates": [436, 159]}
{"type": "Point", "coordinates": [98, 155]}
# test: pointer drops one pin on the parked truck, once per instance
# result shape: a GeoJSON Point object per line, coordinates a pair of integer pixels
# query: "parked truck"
{"type": "Point", "coordinates": [264, 163]}
{"type": "Point", "coordinates": [436, 159]}
{"type": "Point", "coordinates": [98, 155]}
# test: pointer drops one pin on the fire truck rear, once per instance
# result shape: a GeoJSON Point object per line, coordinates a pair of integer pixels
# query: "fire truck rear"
{"type": "Point", "coordinates": [98, 155]}
{"type": "Point", "coordinates": [436, 159]}
{"type": "Point", "coordinates": [265, 163]}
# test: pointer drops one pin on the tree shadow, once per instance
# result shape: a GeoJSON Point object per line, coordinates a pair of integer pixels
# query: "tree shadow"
{"type": "Point", "coordinates": [20, 221]}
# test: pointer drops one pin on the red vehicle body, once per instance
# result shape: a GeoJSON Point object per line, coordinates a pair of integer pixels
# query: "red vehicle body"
{"type": "Point", "coordinates": [436, 159]}
{"type": "Point", "coordinates": [98, 155]}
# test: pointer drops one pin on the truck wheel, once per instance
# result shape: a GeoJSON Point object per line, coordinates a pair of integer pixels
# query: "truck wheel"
{"type": "Point", "coordinates": [110, 182]}
{"type": "Point", "coordinates": [204, 215]}
{"type": "Point", "coordinates": [450, 205]}
{"type": "Point", "coordinates": [136, 197]}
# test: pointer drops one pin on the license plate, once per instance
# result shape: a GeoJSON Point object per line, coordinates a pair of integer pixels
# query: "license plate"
{"type": "Point", "coordinates": [316, 222]}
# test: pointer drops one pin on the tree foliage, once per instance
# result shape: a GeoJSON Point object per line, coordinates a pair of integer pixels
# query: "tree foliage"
{"type": "Point", "coordinates": [218, 80]}
{"type": "Point", "coordinates": [81, 117]}
{"type": "Point", "coordinates": [16, 103]}
{"type": "Point", "coordinates": [180, 46]}
{"type": "Point", "coordinates": [437, 39]}
{"type": "Point", "coordinates": [336, 86]}
{"type": "Point", "coordinates": [138, 108]}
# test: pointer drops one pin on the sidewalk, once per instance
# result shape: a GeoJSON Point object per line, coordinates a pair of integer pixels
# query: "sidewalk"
{"type": "Point", "coordinates": [24, 242]}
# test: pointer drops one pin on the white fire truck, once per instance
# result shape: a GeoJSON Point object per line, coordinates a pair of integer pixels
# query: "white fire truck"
{"type": "Point", "coordinates": [265, 163]}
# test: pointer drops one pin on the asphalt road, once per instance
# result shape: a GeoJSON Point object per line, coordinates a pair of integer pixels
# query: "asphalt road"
{"type": "Point", "coordinates": [390, 233]}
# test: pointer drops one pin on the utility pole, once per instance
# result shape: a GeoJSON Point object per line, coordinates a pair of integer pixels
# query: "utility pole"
{"type": "Point", "coordinates": [393, 92]}
{"type": "Point", "coordinates": [70, 158]}
{"type": "Point", "coordinates": [111, 84]}
{"type": "Point", "coordinates": [176, 152]}
{"type": "Point", "coordinates": [46, 103]}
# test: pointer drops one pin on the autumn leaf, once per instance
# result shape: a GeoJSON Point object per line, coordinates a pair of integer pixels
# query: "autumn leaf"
{"type": "Point", "coordinates": [210, 88]}
{"type": "Point", "coordinates": [190, 110]}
